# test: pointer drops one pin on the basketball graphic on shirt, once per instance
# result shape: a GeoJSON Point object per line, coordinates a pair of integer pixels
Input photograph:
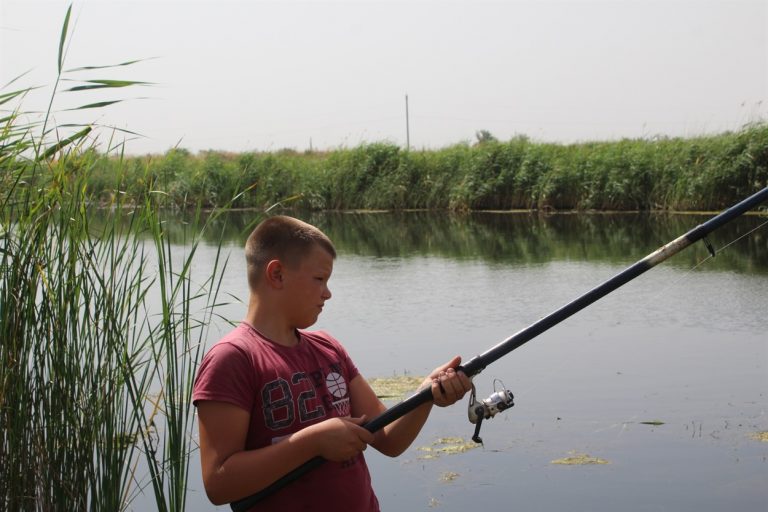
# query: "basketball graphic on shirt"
{"type": "Point", "coordinates": [336, 385]}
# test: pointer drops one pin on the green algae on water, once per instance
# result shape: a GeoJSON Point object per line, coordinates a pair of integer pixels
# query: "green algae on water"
{"type": "Point", "coordinates": [448, 476]}
{"type": "Point", "coordinates": [395, 388]}
{"type": "Point", "coordinates": [446, 446]}
{"type": "Point", "coordinates": [579, 459]}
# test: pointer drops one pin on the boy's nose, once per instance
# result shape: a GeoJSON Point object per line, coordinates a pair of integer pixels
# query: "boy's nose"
{"type": "Point", "coordinates": [327, 293]}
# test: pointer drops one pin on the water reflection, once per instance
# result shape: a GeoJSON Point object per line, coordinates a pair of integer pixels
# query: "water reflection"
{"type": "Point", "coordinates": [510, 238]}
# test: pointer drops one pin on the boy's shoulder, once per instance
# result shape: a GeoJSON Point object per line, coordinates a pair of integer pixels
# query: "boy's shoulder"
{"type": "Point", "coordinates": [320, 337]}
{"type": "Point", "coordinates": [237, 344]}
{"type": "Point", "coordinates": [325, 341]}
{"type": "Point", "coordinates": [239, 337]}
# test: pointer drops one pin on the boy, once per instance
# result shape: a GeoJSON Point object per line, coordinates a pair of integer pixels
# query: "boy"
{"type": "Point", "coordinates": [271, 396]}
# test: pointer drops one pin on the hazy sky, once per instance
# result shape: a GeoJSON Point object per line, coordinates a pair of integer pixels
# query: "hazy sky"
{"type": "Point", "coordinates": [254, 75]}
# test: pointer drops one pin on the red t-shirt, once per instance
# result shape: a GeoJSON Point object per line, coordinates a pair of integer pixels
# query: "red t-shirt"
{"type": "Point", "coordinates": [286, 389]}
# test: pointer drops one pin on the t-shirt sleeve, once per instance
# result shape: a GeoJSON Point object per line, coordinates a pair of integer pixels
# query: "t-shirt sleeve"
{"type": "Point", "coordinates": [351, 368]}
{"type": "Point", "coordinates": [346, 360]}
{"type": "Point", "coordinates": [225, 375]}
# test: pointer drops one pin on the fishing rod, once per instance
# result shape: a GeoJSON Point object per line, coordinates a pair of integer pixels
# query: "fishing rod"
{"type": "Point", "coordinates": [503, 399]}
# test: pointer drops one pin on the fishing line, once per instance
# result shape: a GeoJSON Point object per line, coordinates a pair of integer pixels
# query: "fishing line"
{"type": "Point", "coordinates": [675, 283]}
{"type": "Point", "coordinates": [686, 275]}
{"type": "Point", "coordinates": [743, 236]}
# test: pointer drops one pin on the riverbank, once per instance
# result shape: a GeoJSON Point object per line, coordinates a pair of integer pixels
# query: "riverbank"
{"type": "Point", "coordinates": [705, 173]}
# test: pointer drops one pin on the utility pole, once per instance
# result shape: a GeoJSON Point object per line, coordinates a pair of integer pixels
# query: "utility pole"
{"type": "Point", "coordinates": [407, 127]}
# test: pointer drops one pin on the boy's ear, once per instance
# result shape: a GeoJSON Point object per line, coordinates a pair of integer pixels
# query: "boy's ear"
{"type": "Point", "coordinates": [274, 273]}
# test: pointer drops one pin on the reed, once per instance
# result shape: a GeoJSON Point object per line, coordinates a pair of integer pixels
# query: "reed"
{"type": "Point", "coordinates": [102, 325]}
{"type": "Point", "coordinates": [698, 173]}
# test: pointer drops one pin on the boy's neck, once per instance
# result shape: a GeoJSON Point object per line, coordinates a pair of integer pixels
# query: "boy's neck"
{"type": "Point", "coordinates": [271, 326]}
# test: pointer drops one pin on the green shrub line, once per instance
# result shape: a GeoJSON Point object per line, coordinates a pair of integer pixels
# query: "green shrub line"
{"type": "Point", "coordinates": [681, 174]}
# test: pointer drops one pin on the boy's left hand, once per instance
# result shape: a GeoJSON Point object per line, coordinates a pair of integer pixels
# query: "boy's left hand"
{"type": "Point", "coordinates": [448, 385]}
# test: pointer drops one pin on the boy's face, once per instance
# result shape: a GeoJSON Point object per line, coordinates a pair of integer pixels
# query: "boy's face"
{"type": "Point", "coordinates": [306, 287]}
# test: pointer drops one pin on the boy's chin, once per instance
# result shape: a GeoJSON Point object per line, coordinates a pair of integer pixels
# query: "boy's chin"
{"type": "Point", "coordinates": [306, 323]}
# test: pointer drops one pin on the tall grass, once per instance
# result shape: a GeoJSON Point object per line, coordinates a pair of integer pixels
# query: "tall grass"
{"type": "Point", "coordinates": [699, 173]}
{"type": "Point", "coordinates": [101, 326]}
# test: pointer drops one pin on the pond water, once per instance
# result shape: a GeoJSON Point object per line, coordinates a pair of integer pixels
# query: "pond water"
{"type": "Point", "coordinates": [665, 379]}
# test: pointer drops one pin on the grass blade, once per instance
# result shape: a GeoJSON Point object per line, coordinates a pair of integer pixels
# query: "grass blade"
{"type": "Point", "coordinates": [90, 68]}
{"type": "Point", "coordinates": [63, 37]}
{"type": "Point", "coordinates": [64, 143]}
{"type": "Point", "coordinates": [103, 84]}
{"type": "Point", "coordinates": [99, 104]}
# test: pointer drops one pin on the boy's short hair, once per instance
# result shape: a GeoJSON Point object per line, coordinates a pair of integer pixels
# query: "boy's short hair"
{"type": "Point", "coordinates": [281, 238]}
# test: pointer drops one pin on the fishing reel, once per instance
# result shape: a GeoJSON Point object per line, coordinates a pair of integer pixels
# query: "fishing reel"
{"type": "Point", "coordinates": [484, 409]}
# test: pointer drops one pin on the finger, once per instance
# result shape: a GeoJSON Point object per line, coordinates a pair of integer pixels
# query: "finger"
{"type": "Point", "coordinates": [461, 382]}
{"type": "Point", "coordinates": [363, 434]}
{"type": "Point", "coordinates": [366, 437]}
{"type": "Point", "coordinates": [438, 392]}
{"type": "Point", "coordinates": [453, 386]}
{"type": "Point", "coordinates": [456, 361]}
{"type": "Point", "coordinates": [453, 363]}
{"type": "Point", "coordinates": [452, 382]}
{"type": "Point", "coordinates": [441, 379]}
{"type": "Point", "coordinates": [362, 420]}
{"type": "Point", "coordinates": [443, 394]}
{"type": "Point", "coordinates": [443, 382]}
{"type": "Point", "coordinates": [466, 382]}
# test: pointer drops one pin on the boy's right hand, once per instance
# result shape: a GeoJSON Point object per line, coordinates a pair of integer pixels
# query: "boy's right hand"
{"type": "Point", "coordinates": [340, 439]}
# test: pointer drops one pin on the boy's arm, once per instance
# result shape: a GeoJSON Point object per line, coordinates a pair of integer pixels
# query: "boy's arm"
{"type": "Point", "coordinates": [448, 386]}
{"type": "Point", "coordinates": [230, 472]}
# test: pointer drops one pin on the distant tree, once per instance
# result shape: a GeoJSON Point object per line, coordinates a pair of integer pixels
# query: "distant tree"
{"type": "Point", "coordinates": [484, 136]}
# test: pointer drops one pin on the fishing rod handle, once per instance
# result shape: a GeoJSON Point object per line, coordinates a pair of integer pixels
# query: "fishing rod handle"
{"type": "Point", "coordinates": [382, 420]}
{"type": "Point", "coordinates": [246, 503]}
